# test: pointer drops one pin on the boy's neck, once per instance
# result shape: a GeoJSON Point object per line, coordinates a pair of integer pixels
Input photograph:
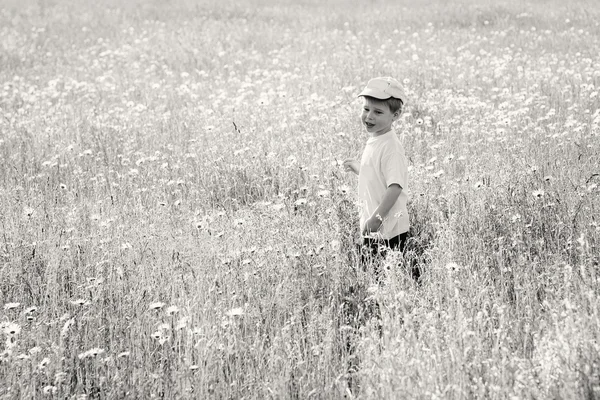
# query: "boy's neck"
{"type": "Point", "coordinates": [374, 135]}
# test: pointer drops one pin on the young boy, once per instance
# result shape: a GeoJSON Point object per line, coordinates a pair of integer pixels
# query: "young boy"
{"type": "Point", "coordinates": [382, 171]}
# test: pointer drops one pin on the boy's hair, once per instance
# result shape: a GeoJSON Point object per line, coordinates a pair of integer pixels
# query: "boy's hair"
{"type": "Point", "coordinates": [394, 104]}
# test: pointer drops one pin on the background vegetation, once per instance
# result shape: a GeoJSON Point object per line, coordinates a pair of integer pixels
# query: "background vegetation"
{"type": "Point", "coordinates": [174, 221]}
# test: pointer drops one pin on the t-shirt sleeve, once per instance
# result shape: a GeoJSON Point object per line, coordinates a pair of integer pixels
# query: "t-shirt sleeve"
{"type": "Point", "coordinates": [394, 168]}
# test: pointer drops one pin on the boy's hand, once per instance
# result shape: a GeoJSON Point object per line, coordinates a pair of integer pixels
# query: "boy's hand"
{"type": "Point", "coordinates": [372, 225]}
{"type": "Point", "coordinates": [351, 165]}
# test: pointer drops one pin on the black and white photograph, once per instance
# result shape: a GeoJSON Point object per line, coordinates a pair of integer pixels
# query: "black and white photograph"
{"type": "Point", "coordinates": [300, 199]}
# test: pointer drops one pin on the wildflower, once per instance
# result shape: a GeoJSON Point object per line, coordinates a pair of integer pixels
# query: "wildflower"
{"type": "Point", "coordinates": [156, 335]}
{"type": "Point", "coordinates": [91, 353]}
{"type": "Point", "coordinates": [334, 245]}
{"type": "Point", "coordinates": [182, 323]}
{"type": "Point", "coordinates": [5, 355]}
{"type": "Point", "coordinates": [235, 312]}
{"type": "Point", "coordinates": [538, 194]}
{"type": "Point", "coordinates": [172, 310]}
{"type": "Point", "coordinates": [452, 267]}
{"type": "Point", "coordinates": [239, 222]}
{"type": "Point", "coordinates": [80, 302]}
{"type": "Point", "coordinates": [49, 390]}
{"type": "Point", "coordinates": [300, 202]}
{"type": "Point", "coordinates": [163, 339]}
{"type": "Point", "coordinates": [44, 363]}
{"type": "Point", "coordinates": [30, 310]}
{"type": "Point", "coordinates": [156, 305]}
{"type": "Point", "coordinates": [438, 174]}
{"type": "Point", "coordinates": [11, 329]}
{"type": "Point", "coordinates": [10, 306]}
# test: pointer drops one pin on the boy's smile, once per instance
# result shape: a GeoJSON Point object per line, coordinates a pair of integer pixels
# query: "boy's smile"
{"type": "Point", "coordinates": [376, 116]}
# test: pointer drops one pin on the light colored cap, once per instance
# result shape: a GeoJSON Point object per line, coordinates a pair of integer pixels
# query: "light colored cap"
{"type": "Point", "coordinates": [383, 88]}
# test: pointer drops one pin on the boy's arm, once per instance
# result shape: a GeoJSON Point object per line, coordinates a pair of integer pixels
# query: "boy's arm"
{"type": "Point", "coordinates": [389, 198]}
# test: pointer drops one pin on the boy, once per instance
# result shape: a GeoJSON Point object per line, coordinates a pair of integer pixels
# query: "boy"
{"type": "Point", "coordinates": [382, 171]}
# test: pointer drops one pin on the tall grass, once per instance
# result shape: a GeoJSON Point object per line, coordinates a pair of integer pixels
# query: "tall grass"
{"type": "Point", "coordinates": [174, 221]}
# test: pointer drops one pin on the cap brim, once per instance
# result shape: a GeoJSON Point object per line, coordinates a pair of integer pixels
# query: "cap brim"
{"type": "Point", "coordinates": [378, 94]}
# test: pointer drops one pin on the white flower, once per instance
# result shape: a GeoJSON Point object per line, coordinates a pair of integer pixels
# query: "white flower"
{"type": "Point", "coordinates": [156, 305]}
{"type": "Point", "coordinates": [91, 353]}
{"type": "Point", "coordinates": [44, 363]}
{"type": "Point", "coordinates": [239, 222]}
{"type": "Point", "coordinates": [80, 302]}
{"type": "Point", "coordinates": [182, 323]}
{"type": "Point", "coordinates": [49, 389]}
{"type": "Point", "coordinates": [452, 267]}
{"type": "Point", "coordinates": [172, 310]}
{"type": "Point", "coordinates": [10, 306]}
{"type": "Point", "coordinates": [235, 312]}
{"type": "Point", "coordinates": [538, 194]}
{"type": "Point", "coordinates": [11, 329]}
{"type": "Point", "coordinates": [164, 327]}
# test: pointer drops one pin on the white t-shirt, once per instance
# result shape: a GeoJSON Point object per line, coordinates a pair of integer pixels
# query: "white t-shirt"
{"type": "Point", "coordinates": [383, 163]}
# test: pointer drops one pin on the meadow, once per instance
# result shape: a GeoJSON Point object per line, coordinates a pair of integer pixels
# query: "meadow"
{"type": "Point", "coordinates": [175, 221]}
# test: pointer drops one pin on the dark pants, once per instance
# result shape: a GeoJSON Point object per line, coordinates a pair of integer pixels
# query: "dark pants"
{"type": "Point", "coordinates": [373, 251]}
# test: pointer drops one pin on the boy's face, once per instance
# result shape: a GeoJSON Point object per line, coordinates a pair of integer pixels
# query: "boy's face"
{"type": "Point", "coordinates": [376, 116]}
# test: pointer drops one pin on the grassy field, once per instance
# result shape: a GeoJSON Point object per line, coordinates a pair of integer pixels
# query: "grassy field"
{"type": "Point", "coordinates": [175, 223]}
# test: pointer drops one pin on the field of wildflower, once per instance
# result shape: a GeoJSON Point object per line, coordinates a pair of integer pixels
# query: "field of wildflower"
{"type": "Point", "coordinates": [175, 221]}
